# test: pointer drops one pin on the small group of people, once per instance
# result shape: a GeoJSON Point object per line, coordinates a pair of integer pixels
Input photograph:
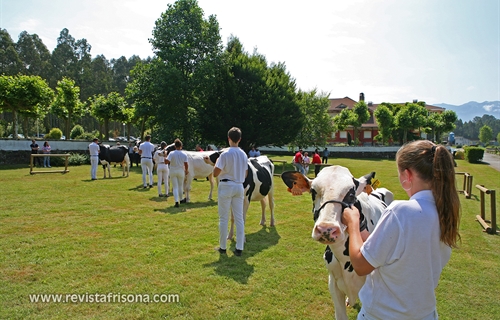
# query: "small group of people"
{"type": "Point", "coordinates": [45, 150]}
{"type": "Point", "coordinates": [301, 161]}
{"type": "Point", "coordinates": [253, 153]}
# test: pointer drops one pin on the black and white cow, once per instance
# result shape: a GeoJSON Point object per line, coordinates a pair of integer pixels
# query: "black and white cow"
{"type": "Point", "coordinates": [114, 154]}
{"type": "Point", "coordinates": [258, 186]}
{"type": "Point", "coordinates": [332, 190]}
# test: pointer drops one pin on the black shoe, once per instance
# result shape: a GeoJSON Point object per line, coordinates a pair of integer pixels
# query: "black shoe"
{"type": "Point", "coordinates": [160, 195]}
{"type": "Point", "coordinates": [150, 185]}
{"type": "Point", "coordinates": [144, 187]}
{"type": "Point", "coordinates": [237, 252]}
{"type": "Point", "coordinates": [183, 200]}
{"type": "Point", "coordinates": [221, 251]}
{"type": "Point", "coordinates": [176, 205]}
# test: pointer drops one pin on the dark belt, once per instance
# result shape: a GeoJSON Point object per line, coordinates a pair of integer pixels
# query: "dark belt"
{"type": "Point", "coordinates": [94, 155]}
{"type": "Point", "coordinates": [224, 180]}
{"type": "Point", "coordinates": [145, 158]}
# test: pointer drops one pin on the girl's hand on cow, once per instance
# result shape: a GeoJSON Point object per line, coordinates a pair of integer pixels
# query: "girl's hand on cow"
{"type": "Point", "coordinates": [350, 217]}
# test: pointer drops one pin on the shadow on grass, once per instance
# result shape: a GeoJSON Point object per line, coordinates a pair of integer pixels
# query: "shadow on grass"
{"type": "Point", "coordinates": [230, 266]}
{"type": "Point", "coordinates": [183, 206]}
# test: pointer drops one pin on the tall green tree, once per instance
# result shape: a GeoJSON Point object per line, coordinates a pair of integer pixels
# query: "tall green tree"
{"type": "Point", "coordinates": [67, 103]}
{"type": "Point", "coordinates": [385, 120]}
{"type": "Point", "coordinates": [109, 108]}
{"type": "Point", "coordinates": [101, 75]}
{"type": "Point", "coordinates": [29, 95]}
{"type": "Point", "coordinates": [354, 117]}
{"type": "Point", "coordinates": [10, 63]}
{"type": "Point", "coordinates": [34, 55]}
{"type": "Point", "coordinates": [260, 99]}
{"type": "Point", "coordinates": [318, 125]}
{"type": "Point", "coordinates": [485, 134]}
{"type": "Point", "coordinates": [410, 117]}
{"type": "Point", "coordinates": [183, 41]}
{"type": "Point", "coordinates": [63, 58]}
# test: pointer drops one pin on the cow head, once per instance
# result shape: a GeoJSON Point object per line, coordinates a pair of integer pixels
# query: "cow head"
{"type": "Point", "coordinates": [332, 190]}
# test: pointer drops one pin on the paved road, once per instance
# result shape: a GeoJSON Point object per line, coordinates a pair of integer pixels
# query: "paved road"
{"type": "Point", "coordinates": [492, 159]}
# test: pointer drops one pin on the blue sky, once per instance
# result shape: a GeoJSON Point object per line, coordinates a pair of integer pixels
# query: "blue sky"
{"type": "Point", "coordinates": [438, 51]}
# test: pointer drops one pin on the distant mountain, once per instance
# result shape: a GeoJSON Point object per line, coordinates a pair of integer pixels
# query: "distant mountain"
{"type": "Point", "coordinates": [470, 110]}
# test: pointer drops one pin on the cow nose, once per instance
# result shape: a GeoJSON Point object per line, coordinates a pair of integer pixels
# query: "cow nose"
{"type": "Point", "coordinates": [326, 233]}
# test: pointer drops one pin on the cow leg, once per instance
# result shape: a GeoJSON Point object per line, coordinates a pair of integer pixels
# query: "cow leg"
{"type": "Point", "coordinates": [263, 207]}
{"type": "Point", "coordinates": [270, 198]}
{"type": "Point", "coordinates": [338, 298]}
{"type": "Point", "coordinates": [211, 179]}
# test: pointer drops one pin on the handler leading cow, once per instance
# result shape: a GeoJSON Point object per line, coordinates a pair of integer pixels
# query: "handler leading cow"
{"type": "Point", "coordinates": [333, 190]}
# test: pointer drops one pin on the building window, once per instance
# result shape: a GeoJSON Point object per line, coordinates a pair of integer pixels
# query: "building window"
{"type": "Point", "coordinates": [367, 134]}
{"type": "Point", "coordinates": [343, 135]}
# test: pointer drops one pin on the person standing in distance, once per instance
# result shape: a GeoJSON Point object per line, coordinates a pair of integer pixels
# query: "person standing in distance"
{"type": "Point", "coordinates": [162, 170]}
{"type": "Point", "coordinates": [326, 153]}
{"type": "Point", "coordinates": [405, 253]}
{"type": "Point", "coordinates": [34, 150]}
{"type": "Point", "coordinates": [94, 150]}
{"type": "Point", "coordinates": [179, 169]}
{"type": "Point", "coordinates": [146, 150]}
{"type": "Point", "coordinates": [231, 168]}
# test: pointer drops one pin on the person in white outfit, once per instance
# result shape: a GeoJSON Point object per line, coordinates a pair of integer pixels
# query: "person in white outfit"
{"type": "Point", "coordinates": [162, 168]}
{"type": "Point", "coordinates": [146, 150]}
{"type": "Point", "coordinates": [404, 255]}
{"type": "Point", "coordinates": [179, 169]}
{"type": "Point", "coordinates": [231, 169]}
{"type": "Point", "coordinates": [94, 150]}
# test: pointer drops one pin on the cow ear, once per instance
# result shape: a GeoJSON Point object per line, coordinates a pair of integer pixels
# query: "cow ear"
{"type": "Point", "coordinates": [362, 182]}
{"type": "Point", "coordinates": [296, 182]}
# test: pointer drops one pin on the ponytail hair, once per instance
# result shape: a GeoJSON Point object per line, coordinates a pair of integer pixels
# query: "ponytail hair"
{"type": "Point", "coordinates": [434, 164]}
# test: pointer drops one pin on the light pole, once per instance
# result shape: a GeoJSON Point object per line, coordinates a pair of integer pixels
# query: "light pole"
{"type": "Point", "coordinates": [124, 129]}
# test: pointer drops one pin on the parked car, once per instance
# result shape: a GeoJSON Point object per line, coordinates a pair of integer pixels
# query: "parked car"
{"type": "Point", "coordinates": [19, 136]}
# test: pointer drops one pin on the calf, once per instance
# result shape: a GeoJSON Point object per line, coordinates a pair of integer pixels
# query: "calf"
{"type": "Point", "coordinates": [333, 190]}
{"type": "Point", "coordinates": [115, 154]}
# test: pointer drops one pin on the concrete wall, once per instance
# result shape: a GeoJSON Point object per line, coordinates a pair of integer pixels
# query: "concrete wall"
{"type": "Point", "coordinates": [18, 151]}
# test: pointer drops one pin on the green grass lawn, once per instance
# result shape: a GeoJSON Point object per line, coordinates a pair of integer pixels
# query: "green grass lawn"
{"type": "Point", "coordinates": [66, 234]}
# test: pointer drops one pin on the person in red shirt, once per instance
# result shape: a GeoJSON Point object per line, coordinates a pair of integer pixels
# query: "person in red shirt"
{"type": "Point", "coordinates": [317, 163]}
{"type": "Point", "coordinates": [298, 162]}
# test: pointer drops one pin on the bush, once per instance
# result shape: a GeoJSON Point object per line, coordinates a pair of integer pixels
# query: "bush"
{"type": "Point", "coordinates": [460, 155]}
{"type": "Point", "coordinates": [54, 134]}
{"type": "Point", "coordinates": [88, 136]}
{"type": "Point", "coordinates": [77, 159]}
{"type": "Point", "coordinates": [76, 132]}
{"type": "Point", "coordinates": [474, 154]}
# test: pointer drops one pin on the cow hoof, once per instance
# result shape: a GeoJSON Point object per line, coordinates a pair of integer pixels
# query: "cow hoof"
{"type": "Point", "coordinates": [262, 223]}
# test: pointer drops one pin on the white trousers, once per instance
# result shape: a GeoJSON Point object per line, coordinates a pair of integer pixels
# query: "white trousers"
{"type": "Point", "coordinates": [147, 170]}
{"type": "Point", "coordinates": [94, 161]}
{"type": "Point", "coordinates": [177, 179]}
{"type": "Point", "coordinates": [162, 172]}
{"type": "Point", "coordinates": [230, 197]}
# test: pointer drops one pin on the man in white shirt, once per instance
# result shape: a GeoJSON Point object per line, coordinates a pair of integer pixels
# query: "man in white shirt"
{"type": "Point", "coordinates": [231, 169]}
{"type": "Point", "coordinates": [94, 150]}
{"type": "Point", "coordinates": [146, 150]}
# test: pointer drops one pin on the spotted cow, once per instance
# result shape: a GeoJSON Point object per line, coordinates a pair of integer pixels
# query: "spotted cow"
{"type": "Point", "coordinates": [114, 154]}
{"type": "Point", "coordinates": [333, 190]}
{"type": "Point", "coordinates": [258, 186]}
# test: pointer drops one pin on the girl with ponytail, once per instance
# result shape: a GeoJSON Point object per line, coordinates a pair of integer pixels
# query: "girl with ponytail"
{"type": "Point", "coordinates": [404, 255]}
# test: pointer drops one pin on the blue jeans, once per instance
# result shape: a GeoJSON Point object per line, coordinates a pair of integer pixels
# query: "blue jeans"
{"type": "Point", "coordinates": [299, 168]}
{"type": "Point", "coordinates": [46, 161]}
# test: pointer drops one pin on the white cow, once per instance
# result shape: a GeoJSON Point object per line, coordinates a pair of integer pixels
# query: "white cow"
{"type": "Point", "coordinates": [198, 168]}
{"type": "Point", "coordinates": [332, 190]}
